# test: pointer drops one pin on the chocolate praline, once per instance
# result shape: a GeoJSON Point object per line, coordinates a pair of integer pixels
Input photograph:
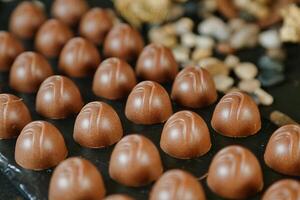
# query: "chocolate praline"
{"type": "Point", "coordinates": [76, 179]}
{"type": "Point", "coordinates": [236, 115]}
{"type": "Point", "coordinates": [235, 173]}
{"type": "Point", "coordinates": [194, 87]}
{"type": "Point", "coordinates": [28, 71]}
{"type": "Point", "coordinates": [148, 103]}
{"type": "Point", "coordinates": [14, 115]}
{"type": "Point", "coordinates": [114, 79]}
{"type": "Point", "coordinates": [40, 146]}
{"type": "Point", "coordinates": [286, 189]}
{"type": "Point", "coordinates": [177, 185]}
{"type": "Point", "coordinates": [283, 150]}
{"type": "Point", "coordinates": [118, 197]}
{"type": "Point", "coordinates": [135, 161]}
{"type": "Point", "coordinates": [58, 97]}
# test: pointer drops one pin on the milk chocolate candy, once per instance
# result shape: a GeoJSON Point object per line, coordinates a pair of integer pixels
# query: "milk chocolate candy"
{"type": "Point", "coordinates": [185, 135]}
{"type": "Point", "coordinates": [177, 185]}
{"type": "Point", "coordinates": [236, 115]}
{"type": "Point", "coordinates": [148, 103]}
{"type": "Point", "coordinates": [135, 161]}
{"type": "Point", "coordinates": [76, 179]}
{"type": "Point", "coordinates": [118, 197]}
{"type": "Point", "coordinates": [28, 71]}
{"type": "Point", "coordinates": [14, 115]}
{"type": "Point", "coordinates": [114, 79]}
{"type": "Point", "coordinates": [97, 125]}
{"type": "Point", "coordinates": [286, 189]}
{"type": "Point", "coordinates": [193, 87]}
{"type": "Point", "coordinates": [40, 146]}
{"type": "Point", "coordinates": [58, 97]}
{"type": "Point", "coordinates": [235, 173]}
{"type": "Point", "coordinates": [283, 150]}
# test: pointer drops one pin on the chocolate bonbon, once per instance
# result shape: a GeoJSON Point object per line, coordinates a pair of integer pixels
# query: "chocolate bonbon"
{"type": "Point", "coordinates": [286, 189]}
{"type": "Point", "coordinates": [148, 103]}
{"type": "Point", "coordinates": [235, 173]}
{"type": "Point", "coordinates": [283, 150]}
{"type": "Point", "coordinates": [40, 146]}
{"type": "Point", "coordinates": [185, 135]}
{"type": "Point", "coordinates": [236, 115]}
{"type": "Point", "coordinates": [118, 197]}
{"type": "Point", "coordinates": [177, 185]}
{"type": "Point", "coordinates": [114, 79]}
{"type": "Point", "coordinates": [14, 115]}
{"type": "Point", "coordinates": [58, 97]}
{"type": "Point", "coordinates": [135, 161]}
{"type": "Point", "coordinates": [76, 179]}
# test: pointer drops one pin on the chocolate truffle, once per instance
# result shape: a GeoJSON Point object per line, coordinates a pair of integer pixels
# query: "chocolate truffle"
{"type": "Point", "coordinates": [157, 63]}
{"type": "Point", "coordinates": [286, 189]}
{"type": "Point", "coordinates": [177, 185]}
{"type": "Point", "coordinates": [235, 173]}
{"type": "Point", "coordinates": [14, 115]}
{"type": "Point", "coordinates": [185, 135]}
{"type": "Point", "coordinates": [236, 115]}
{"type": "Point", "coordinates": [118, 197]}
{"type": "Point", "coordinates": [25, 20]}
{"type": "Point", "coordinates": [39, 146]}
{"type": "Point", "coordinates": [58, 97]}
{"type": "Point", "coordinates": [135, 161]}
{"type": "Point", "coordinates": [28, 71]}
{"type": "Point", "coordinates": [95, 24]}
{"type": "Point", "coordinates": [123, 42]}
{"type": "Point", "coordinates": [114, 79]}
{"type": "Point", "coordinates": [51, 37]}
{"type": "Point", "coordinates": [79, 58]}
{"type": "Point", "coordinates": [148, 103]}
{"type": "Point", "coordinates": [76, 179]}
{"type": "Point", "coordinates": [97, 125]}
{"type": "Point", "coordinates": [10, 48]}
{"type": "Point", "coordinates": [69, 11]}
{"type": "Point", "coordinates": [194, 87]}
{"type": "Point", "coordinates": [283, 150]}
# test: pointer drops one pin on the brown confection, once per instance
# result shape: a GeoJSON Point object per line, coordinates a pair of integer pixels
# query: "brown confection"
{"type": "Point", "coordinates": [28, 71]}
{"type": "Point", "coordinates": [10, 48]}
{"type": "Point", "coordinates": [97, 125]}
{"type": "Point", "coordinates": [177, 185]}
{"type": "Point", "coordinates": [194, 87]}
{"type": "Point", "coordinates": [235, 173]}
{"type": "Point", "coordinates": [76, 179]}
{"type": "Point", "coordinates": [95, 24]}
{"type": "Point", "coordinates": [157, 63]}
{"type": "Point", "coordinates": [185, 135]}
{"type": "Point", "coordinates": [287, 189]}
{"type": "Point", "coordinates": [123, 42]}
{"type": "Point", "coordinates": [114, 79]}
{"type": "Point", "coordinates": [118, 197]}
{"type": "Point", "coordinates": [236, 115]}
{"type": "Point", "coordinates": [79, 58]}
{"type": "Point", "coordinates": [148, 103]}
{"type": "Point", "coordinates": [14, 115]}
{"type": "Point", "coordinates": [39, 146]}
{"type": "Point", "coordinates": [283, 150]}
{"type": "Point", "coordinates": [135, 161]}
{"type": "Point", "coordinates": [58, 97]}
{"type": "Point", "coordinates": [69, 11]}
{"type": "Point", "coordinates": [25, 20]}
{"type": "Point", "coordinates": [51, 37]}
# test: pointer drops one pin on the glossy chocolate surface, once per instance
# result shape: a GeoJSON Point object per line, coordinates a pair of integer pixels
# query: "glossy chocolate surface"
{"type": "Point", "coordinates": [40, 146]}
{"type": "Point", "coordinates": [236, 115]}
{"type": "Point", "coordinates": [76, 179]}
{"type": "Point", "coordinates": [286, 189]}
{"type": "Point", "coordinates": [28, 71]}
{"type": "Point", "coordinates": [283, 150]}
{"type": "Point", "coordinates": [118, 197]}
{"type": "Point", "coordinates": [185, 135]}
{"type": "Point", "coordinates": [235, 173]}
{"type": "Point", "coordinates": [58, 97]}
{"type": "Point", "coordinates": [135, 161]}
{"type": "Point", "coordinates": [148, 103]}
{"type": "Point", "coordinates": [114, 79]}
{"type": "Point", "coordinates": [194, 87]}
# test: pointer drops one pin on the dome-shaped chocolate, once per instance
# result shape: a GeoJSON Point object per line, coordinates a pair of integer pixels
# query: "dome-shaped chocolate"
{"type": "Point", "coordinates": [287, 189]}
{"type": "Point", "coordinates": [118, 197]}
